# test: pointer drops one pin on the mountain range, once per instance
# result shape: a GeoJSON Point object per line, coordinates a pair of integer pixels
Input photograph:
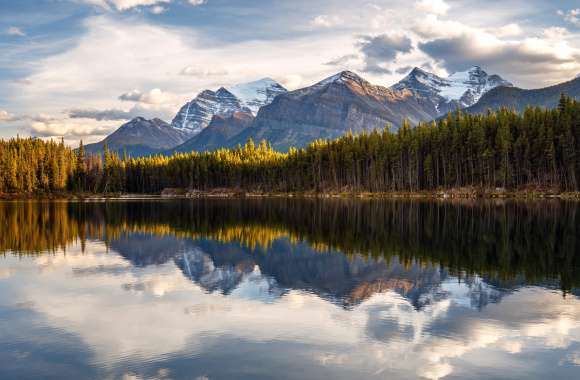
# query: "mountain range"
{"type": "Point", "coordinates": [344, 102]}
{"type": "Point", "coordinates": [140, 137]}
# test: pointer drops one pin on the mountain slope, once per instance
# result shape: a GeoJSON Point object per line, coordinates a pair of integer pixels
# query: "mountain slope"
{"type": "Point", "coordinates": [257, 94]}
{"type": "Point", "coordinates": [329, 109]}
{"type": "Point", "coordinates": [218, 133]}
{"type": "Point", "coordinates": [519, 99]}
{"type": "Point", "coordinates": [197, 114]}
{"type": "Point", "coordinates": [140, 137]}
{"type": "Point", "coordinates": [459, 90]}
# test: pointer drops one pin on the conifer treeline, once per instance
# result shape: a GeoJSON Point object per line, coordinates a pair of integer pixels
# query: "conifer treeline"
{"type": "Point", "coordinates": [537, 149]}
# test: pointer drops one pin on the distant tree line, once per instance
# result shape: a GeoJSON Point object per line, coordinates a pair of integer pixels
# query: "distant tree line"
{"type": "Point", "coordinates": [538, 149]}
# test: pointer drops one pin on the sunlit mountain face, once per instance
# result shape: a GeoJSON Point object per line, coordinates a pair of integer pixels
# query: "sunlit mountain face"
{"type": "Point", "coordinates": [235, 288]}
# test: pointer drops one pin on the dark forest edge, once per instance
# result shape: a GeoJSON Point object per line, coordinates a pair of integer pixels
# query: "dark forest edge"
{"type": "Point", "coordinates": [500, 154]}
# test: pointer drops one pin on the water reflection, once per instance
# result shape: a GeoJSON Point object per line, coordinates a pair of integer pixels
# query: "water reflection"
{"type": "Point", "coordinates": [289, 289]}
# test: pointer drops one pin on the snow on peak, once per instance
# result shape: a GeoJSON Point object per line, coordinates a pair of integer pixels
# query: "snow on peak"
{"type": "Point", "coordinates": [258, 93]}
{"type": "Point", "coordinates": [462, 87]}
{"type": "Point", "coordinates": [246, 97]}
{"type": "Point", "coordinates": [196, 114]}
{"type": "Point", "coordinates": [341, 77]}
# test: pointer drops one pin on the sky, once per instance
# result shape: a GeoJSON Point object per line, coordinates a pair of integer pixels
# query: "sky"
{"type": "Point", "coordinates": [78, 69]}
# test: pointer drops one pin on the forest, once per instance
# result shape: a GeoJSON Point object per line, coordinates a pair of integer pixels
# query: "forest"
{"type": "Point", "coordinates": [538, 150]}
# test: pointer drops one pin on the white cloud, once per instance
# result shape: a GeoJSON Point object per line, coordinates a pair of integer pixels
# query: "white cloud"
{"type": "Point", "coordinates": [197, 71]}
{"type": "Point", "coordinates": [123, 5]}
{"type": "Point", "coordinates": [572, 16]}
{"type": "Point", "coordinates": [535, 61]}
{"type": "Point", "coordinates": [15, 31]}
{"type": "Point", "coordinates": [325, 21]}
{"type": "Point", "coordinates": [6, 116]}
{"type": "Point", "coordinates": [509, 30]}
{"type": "Point", "coordinates": [157, 9]}
{"type": "Point", "coordinates": [437, 7]}
{"type": "Point", "coordinates": [197, 2]}
{"type": "Point", "coordinates": [293, 81]}
{"type": "Point", "coordinates": [154, 96]}
{"type": "Point", "coordinates": [67, 128]}
{"type": "Point", "coordinates": [113, 55]}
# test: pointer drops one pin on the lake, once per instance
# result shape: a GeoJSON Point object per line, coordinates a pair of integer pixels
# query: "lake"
{"type": "Point", "coordinates": [289, 289]}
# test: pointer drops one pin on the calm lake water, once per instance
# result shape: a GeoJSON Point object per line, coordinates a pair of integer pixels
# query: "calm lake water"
{"type": "Point", "coordinates": [289, 289]}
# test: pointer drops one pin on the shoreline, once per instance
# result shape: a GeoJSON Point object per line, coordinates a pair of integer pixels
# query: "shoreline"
{"type": "Point", "coordinates": [236, 193]}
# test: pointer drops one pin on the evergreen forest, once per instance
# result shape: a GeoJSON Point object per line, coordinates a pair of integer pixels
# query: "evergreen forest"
{"type": "Point", "coordinates": [538, 149]}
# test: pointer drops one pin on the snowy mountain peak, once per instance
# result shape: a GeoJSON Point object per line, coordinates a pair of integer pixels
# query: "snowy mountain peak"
{"type": "Point", "coordinates": [246, 97]}
{"type": "Point", "coordinates": [256, 94]}
{"type": "Point", "coordinates": [342, 77]}
{"type": "Point", "coordinates": [460, 89]}
{"type": "Point", "coordinates": [222, 91]}
{"type": "Point", "coordinates": [196, 114]}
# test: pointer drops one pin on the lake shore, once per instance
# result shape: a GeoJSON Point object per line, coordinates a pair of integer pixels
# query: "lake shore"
{"type": "Point", "coordinates": [237, 193]}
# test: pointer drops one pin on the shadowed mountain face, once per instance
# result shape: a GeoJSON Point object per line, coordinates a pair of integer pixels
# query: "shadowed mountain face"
{"type": "Point", "coordinates": [329, 109]}
{"type": "Point", "coordinates": [218, 133]}
{"type": "Point", "coordinates": [519, 99]}
{"type": "Point", "coordinates": [346, 102]}
{"type": "Point", "coordinates": [140, 137]}
{"type": "Point", "coordinates": [195, 115]}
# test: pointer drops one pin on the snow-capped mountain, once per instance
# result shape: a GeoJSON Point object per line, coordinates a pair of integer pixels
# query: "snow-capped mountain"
{"type": "Point", "coordinates": [258, 93]}
{"type": "Point", "coordinates": [329, 109]}
{"type": "Point", "coordinates": [519, 99]}
{"type": "Point", "coordinates": [459, 90]}
{"type": "Point", "coordinates": [196, 114]}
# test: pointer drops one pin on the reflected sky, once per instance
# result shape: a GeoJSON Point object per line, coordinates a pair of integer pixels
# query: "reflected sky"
{"type": "Point", "coordinates": [142, 305]}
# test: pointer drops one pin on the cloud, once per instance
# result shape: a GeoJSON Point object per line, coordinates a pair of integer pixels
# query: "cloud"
{"type": "Point", "coordinates": [293, 81]}
{"type": "Point", "coordinates": [131, 96]}
{"type": "Point", "coordinates": [325, 21]}
{"type": "Point", "coordinates": [509, 30]}
{"type": "Point", "coordinates": [68, 129]}
{"type": "Point", "coordinates": [382, 49]}
{"type": "Point", "coordinates": [6, 116]}
{"type": "Point", "coordinates": [197, 2]}
{"type": "Point", "coordinates": [110, 114]}
{"type": "Point", "coordinates": [157, 9]}
{"type": "Point", "coordinates": [438, 7]}
{"type": "Point", "coordinates": [154, 96]}
{"type": "Point", "coordinates": [404, 69]}
{"type": "Point", "coordinates": [123, 5]}
{"type": "Point", "coordinates": [148, 111]}
{"type": "Point", "coordinates": [572, 16]}
{"type": "Point", "coordinates": [435, 371]}
{"type": "Point", "coordinates": [546, 58]}
{"type": "Point", "coordinates": [15, 31]}
{"type": "Point", "coordinates": [196, 71]}
{"type": "Point", "coordinates": [343, 60]}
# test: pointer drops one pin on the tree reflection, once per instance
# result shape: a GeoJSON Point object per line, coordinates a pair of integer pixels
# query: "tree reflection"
{"type": "Point", "coordinates": [506, 242]}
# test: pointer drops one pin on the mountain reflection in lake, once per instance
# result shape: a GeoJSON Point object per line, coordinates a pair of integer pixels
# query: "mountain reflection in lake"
{"type": "Point", "coordinates": [289, 289]}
